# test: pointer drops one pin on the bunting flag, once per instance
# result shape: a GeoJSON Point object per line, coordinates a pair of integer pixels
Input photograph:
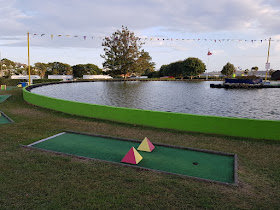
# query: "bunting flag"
{"type": "Point", "coordinates": [165, 39]}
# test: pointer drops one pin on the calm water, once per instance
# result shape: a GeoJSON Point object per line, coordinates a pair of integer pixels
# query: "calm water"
{"type": "Point", "coordinates": [186, 97]}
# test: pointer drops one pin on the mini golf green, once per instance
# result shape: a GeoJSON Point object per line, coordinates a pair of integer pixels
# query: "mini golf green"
{"type": "Point", "coordinates": [4, 119]}
{"type": "Point", "coordinates": [205, 165]}
{"type": "Point", "coordinates": [4, 97]}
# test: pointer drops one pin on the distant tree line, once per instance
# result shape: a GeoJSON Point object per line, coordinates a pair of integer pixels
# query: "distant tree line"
{"type": "Point", "coordinates": [9, 68]}
{"type": "Point", "coordinates": [229, 69]}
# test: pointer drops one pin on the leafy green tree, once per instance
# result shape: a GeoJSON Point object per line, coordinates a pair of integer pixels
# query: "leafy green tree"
{"type": "Point", "coordinates": [58, 68]}
{"type": "Point", "coordinates": [41, 68]}
{"type": "Point", "coordinates": [271, 72]}
{"type": "Point", "coordinates": [192, 67]}
{"type": "Point", "coordinates": [7, 64]}
{"type": "Point", "coordinates": [121, 51]}
{"type": "Point", "coordinates": [254, 69]}
{"type": "Point", "coordinates": [228, 69]}
{"type": "Point", "coordinates": [143, 64]}
{"type": "Point", "coordinates": [153, 74]}
{"type": "Point", "coordinates": [19, 71]}
{"type": "Point", "coordinates": [162, 70]}
{"type": "Point", "coordinates": [7, 67]}
{"type": "Point", "coordinates": [79, 70]}
{"type": "Point", "coordinates": [33, 71]}
{"type": "Point", "coordinates": [189, 67]}
{"type": "Point", "coordinates": [85, 69]}
{"type": "Point", "coordinates": [92, 69]}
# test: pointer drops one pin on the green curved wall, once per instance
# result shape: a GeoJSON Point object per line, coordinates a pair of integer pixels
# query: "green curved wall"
{"type": "Point", "coordinates": [249, 128]}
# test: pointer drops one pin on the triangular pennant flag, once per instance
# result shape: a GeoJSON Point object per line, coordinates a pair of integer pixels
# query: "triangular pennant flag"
{"type": "Point", "coordinates": [132, 157]}
{"type": "Point", "coordinates": [146, 145]}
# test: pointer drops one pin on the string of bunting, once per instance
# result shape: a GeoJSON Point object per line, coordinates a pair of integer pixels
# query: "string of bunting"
{"type": "Point", "coordinates": [52, 36]}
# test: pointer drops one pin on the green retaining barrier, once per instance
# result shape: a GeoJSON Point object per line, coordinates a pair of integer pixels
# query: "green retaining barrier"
{"type": "Point", "coordinates": [239, 127]}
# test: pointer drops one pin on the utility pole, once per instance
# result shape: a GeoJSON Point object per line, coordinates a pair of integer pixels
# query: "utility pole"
{"type": "Point", "coordinates": [0, 65]}
{"type": "Point", "coordinates": [267, 65]}
{"type": "Point", "coordinates": [28, 58]}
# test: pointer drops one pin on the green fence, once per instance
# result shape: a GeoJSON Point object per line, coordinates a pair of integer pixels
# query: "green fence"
{"type": "Point", "coordinates": [249, 128]}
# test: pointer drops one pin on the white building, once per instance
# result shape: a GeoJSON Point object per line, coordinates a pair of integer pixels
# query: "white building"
{"type": "Point", "coordinates": [26, 77]}
{"type": "Point", "coordinates": [63, 77]}
{"type": "Point", "coordinates": [97, 77]}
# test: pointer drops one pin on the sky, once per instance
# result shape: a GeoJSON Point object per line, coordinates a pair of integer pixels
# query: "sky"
{"type": "Point", "coordinates": [195, 26]}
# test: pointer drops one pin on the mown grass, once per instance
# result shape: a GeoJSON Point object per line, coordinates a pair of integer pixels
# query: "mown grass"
{"type": "Point", "coordinates": [31, 179]}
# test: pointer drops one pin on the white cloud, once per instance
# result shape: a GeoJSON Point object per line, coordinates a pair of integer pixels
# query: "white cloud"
{"type": "Point", "coordinates": [219, 19]}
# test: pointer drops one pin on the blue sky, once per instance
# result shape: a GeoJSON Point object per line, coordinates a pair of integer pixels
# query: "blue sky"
{"type": "Point", "coordinates": [218, 20]}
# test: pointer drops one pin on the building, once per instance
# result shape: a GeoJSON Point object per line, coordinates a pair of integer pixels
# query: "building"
{"type": "Point", "coordinates": [63, 77]}
{"type": "Point", "coordinates": [97, 77]}
{"type": "Point", "coordinates": [26, 77]}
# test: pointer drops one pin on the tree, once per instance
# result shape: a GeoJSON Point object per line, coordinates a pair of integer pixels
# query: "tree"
{"type": "Point", "coordinates": [33, 71]}
{"type": "Point", "coordinates": [41, 69]}
{"type": "Point", "coordinates": [254, 69]}
{"type": "Point", "coordinates": [143, 64]}
{"type": "Point", "coordinates": [121, 51]}
{"type": "Point", "coordinates": [192, 67]}
{"type": "Point", "coordinates": [189, 67]}
{"type": "Point", "coordinates": [85, 69]}
{"type": "Point", "coordinates": [59, 68]}
{"type": "Point", "coordinates": [271, 72]}
{"type": "Point", "coordinates": [92, 69]}
{"type": "Point", "coordinates": [7, 64]}
{"type": "Point", "coordinates": [162, 70]}
{"type": "Point", "coordinates": [228, 69]}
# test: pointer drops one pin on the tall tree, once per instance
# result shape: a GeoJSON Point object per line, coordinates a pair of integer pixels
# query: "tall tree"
{"type": "Point", "coordinates": [41, 68]}
{"type": "Point", "coordinates": [228, 69]}
{"type": "Point", "coordinates": [122, 49]}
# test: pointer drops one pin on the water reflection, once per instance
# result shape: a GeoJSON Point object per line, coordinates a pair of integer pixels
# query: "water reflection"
{"type": "Point", "coordinates": [179, 96]}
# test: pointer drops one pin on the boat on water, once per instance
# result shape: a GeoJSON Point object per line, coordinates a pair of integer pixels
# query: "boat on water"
{"type": "Point", "coordinates": [243, 81]}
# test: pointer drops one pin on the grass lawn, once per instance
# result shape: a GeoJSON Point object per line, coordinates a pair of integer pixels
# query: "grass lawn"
{"type": "Point", "coordinates": [31, 179]}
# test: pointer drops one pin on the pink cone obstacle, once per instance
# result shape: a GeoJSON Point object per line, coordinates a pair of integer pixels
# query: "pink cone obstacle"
{"type": "Point", "coordinates": [132, 157]}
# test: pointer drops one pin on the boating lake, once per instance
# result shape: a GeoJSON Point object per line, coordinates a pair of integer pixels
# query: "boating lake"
{"type": "Point", "coordinates": [173, 96]}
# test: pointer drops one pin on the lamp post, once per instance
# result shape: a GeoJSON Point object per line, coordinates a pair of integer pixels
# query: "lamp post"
{"type": "Point", "coordinates": [28, 58]}
{"type": "Point", "coordinates": [267, 65]}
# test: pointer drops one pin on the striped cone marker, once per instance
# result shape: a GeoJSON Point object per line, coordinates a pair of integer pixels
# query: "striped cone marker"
{"type": "Point", "coordinates": [132, 157]}
{"type": "Point", "coordinates": [146, 145]}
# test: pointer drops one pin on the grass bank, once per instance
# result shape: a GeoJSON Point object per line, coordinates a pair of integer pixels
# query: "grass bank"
{"type": "Point", "coordinates": [35, 180]}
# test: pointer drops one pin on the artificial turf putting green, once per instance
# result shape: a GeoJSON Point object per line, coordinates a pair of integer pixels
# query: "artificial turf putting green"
{"type": "Point", "coordinates": [206, 165]}
{"type": "Point", "coordinates": [4, 119]}
{"type": "Point", "coordinates": [3, 98]}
